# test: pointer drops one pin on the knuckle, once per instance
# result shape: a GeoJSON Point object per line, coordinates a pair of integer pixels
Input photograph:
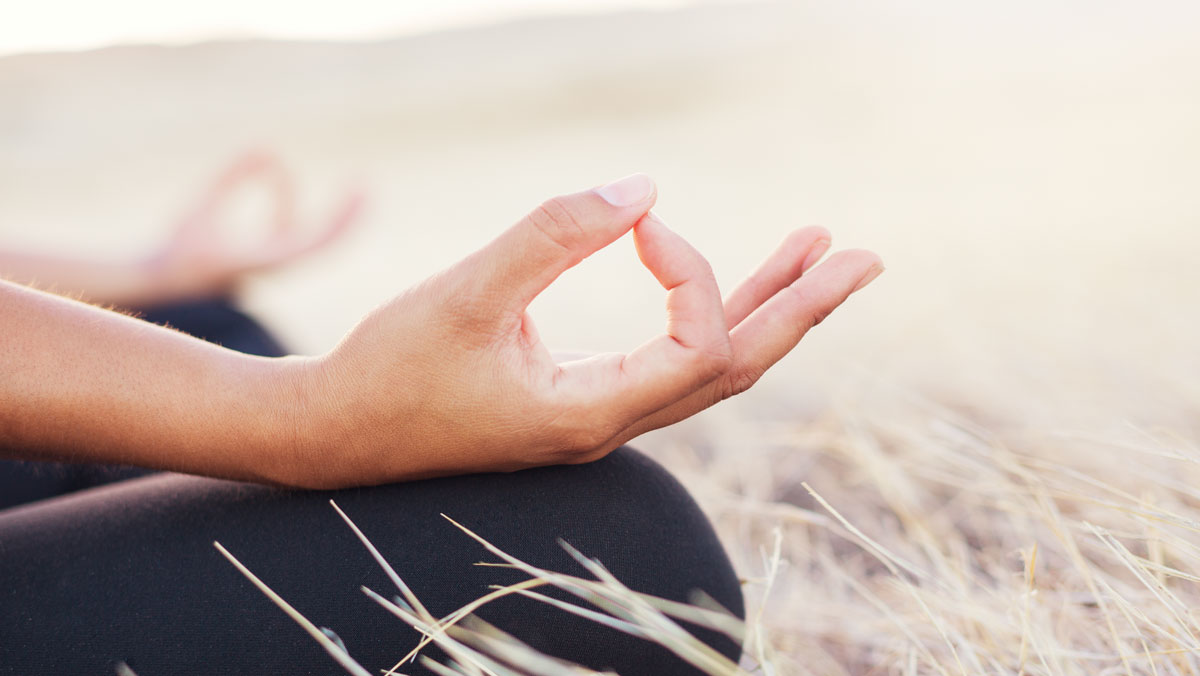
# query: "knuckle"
{"type": "Point", "coordinates": [809, 311]}
{"type": "Point", "coordinates": [559, 222]}
{"type": "Point", "coordinates": [714, 359]}
{"type": "Point", "coordinates": [456, 300]}
{"type": "Point", "coordinates": [739, 381]}
{"type": "Point", "coordinates": [817, 316]}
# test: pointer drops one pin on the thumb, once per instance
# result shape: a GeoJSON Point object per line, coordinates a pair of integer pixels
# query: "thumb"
{"type": "Point", "coordinates": [519, 264]}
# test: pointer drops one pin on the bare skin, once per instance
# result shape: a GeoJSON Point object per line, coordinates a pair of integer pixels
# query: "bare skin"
{"type": "Point", "coordinates": [447, 378]}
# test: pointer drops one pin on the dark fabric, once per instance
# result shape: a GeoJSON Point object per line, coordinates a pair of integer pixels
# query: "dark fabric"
{"type": "Point", "coordinates": [217, 321]}
{"type": "Point", "coordinates": [22, 482]}
{"type": "Point", "coordinates": [128, 571]}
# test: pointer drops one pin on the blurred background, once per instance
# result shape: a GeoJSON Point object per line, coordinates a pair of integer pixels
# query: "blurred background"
{"type": "Point", "coordinates": [1028, 170]}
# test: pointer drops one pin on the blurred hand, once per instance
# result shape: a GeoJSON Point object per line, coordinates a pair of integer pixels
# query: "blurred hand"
{"type": "Point", "coordinates": [198, 260]}
{"type": "Point", "coordinates": [451, 377]}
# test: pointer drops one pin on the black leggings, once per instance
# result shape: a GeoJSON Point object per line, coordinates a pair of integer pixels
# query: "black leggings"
{"type": "Point", "coordinates": [127, 572]}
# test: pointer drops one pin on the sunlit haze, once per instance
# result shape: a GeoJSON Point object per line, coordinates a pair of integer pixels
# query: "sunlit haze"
{"type": "Point", "coordinates": [55, 25]}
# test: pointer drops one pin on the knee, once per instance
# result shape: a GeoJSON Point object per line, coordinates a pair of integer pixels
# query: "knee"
{"type": "Point", "coordinates": [651, 528]}
{"type": "Point", "coordinates": [633, 516]}
{"type": "Point", "coordinates": [624, 510]}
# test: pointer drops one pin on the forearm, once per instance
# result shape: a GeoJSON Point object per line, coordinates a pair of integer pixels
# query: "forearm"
{"type": "Point", "coordinates": [447, 378]}
{"type": "Point", "coordinates": [131, 283]}
{"type": "Point", "coordinates": [81, 383]}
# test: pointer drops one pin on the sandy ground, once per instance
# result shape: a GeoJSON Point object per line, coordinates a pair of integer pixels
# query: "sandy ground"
{"type": "Point", "coordinates": [1028, 171]}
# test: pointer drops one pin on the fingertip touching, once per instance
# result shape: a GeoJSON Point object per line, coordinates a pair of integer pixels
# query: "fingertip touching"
{"type": "Point", "coordinates": [561, 232]}
{"type": "Point", "coordinates": [696, 347]}
{"type": "Point", "coordinates": [632, 190]}
{"type": "Point", "coordinates": [668, 256]}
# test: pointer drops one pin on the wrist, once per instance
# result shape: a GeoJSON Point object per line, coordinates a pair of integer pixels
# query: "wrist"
{"type": "Point", "coordinates": [282, 392]}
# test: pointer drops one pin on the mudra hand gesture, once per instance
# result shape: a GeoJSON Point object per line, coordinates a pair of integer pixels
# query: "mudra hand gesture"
{"type": "Point", "coordinates": [448, 378]}
{"type": "Point", "coordinates": [451, 376]}
{"type": "Point", "coordinates": [199, 259]}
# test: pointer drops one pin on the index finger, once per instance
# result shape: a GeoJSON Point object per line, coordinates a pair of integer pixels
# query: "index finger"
{"type": "Point", "coordinates": [694, 350]}
{"type": "Point", "coordinates": [526, 258]}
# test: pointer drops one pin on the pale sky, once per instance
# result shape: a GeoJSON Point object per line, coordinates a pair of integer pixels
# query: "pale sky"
{"type": "Point", "coordinates": [54, 25]}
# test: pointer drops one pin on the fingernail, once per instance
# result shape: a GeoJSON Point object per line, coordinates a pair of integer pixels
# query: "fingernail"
{"type": "Point", "coordinates": [872, 273]}
{"type": "Point", "coordinates": [814, 254]}
{"type": "Point", "coordinates": [627, 191]}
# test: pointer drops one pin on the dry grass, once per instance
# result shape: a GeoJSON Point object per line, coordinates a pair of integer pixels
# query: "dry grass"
{"type": "Point", "coordinates": [476, 648]}
{"type": "Point", "coordinates": [921, 542]}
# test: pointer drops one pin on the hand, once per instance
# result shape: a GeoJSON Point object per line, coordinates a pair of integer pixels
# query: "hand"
{"type": "Point", "coordinates": [197, 261]}
{"type": "Point", "coordinates": [450, 377]}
